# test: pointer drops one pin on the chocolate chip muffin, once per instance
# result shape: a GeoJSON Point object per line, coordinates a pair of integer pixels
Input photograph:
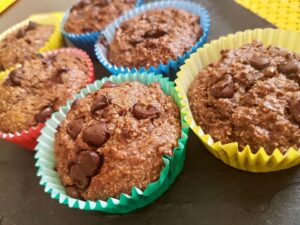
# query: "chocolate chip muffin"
{"type": "Point", "coordinates": [250, 96]}
{"type": "Point", "coordinates": [23, 43]}
{"type": "Point", "coordinates": [153, 37]}
{"type": "Point", "coordinates": [94, 15]}
{"type": "Point", "coordinates": [114, 139]}
{"type": "Point", "coordinates": [32, 92]}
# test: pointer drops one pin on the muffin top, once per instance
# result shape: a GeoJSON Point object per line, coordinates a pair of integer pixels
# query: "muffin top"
{"type": "Point", "coordinates": [250, 96]}
{"type": "Point", "coordinates": [30, 93]}
{"type": "Point", "coordinates": [23, 43]}
{"type": "Point", "coordinates": [94, 15]}
{"type": "Point", "coordinates": [114, 139]}
{"type": "Point", "coordinates": [153, 37]}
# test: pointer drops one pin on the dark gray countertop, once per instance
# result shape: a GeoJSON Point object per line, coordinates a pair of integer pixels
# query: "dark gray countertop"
{"type": "Point", "coordinates": [208, 192]}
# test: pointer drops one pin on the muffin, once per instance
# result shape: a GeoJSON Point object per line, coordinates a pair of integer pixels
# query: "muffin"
{"type": "Point", "coordinates": [94, 15]}
{"type": "Point", "coordinates": [114, 139]}
{"type": "Point", "coordinates": [154, 37]}
{"type": "Point", "coordinates": [31, 92]}
{"type": "Point", "coordinates": [23, 43]}
{"type": "Point", "coordinates": [250, 96]}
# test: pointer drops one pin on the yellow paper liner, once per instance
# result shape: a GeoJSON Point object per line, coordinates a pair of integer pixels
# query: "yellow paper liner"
{"type": "Point", "coordinates": [229, 153]}
{"type": "Point", "coordinates": [55, 41]}
{"type": "Point", "coordinates": [5, 4]}
{"type": "Point", "coordinates": [284, 14]}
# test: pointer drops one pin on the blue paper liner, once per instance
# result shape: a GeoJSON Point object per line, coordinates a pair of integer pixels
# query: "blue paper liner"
{"type": "Point", "coordinates": [85, 41]}
{"type": "Point", "coordinates": [170, 69]}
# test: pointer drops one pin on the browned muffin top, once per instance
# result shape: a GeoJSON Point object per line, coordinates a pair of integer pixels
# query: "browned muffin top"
{"type": "Point", "coordinates": [23, 43]}
{"type": "Point", "coordinates": [94, 15]}
{"type": "Point", "coordinates": [114, 139]}
{"type": "Point", "coordinates": [252, 96]}
{"type": "Point", "coordinates": [32, 92]}
{"type": "Point", "coordinates": [153, 37]}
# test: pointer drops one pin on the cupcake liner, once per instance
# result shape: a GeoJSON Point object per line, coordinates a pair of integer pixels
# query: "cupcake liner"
{"type": "Point", "coordinates": [126, 203]}
{"type": "Point", "coordinates": [55, 41]}
{"type": "Point", "coordinates": [85, 41]}
{"type": "Point", "coordinates": [229, 153]}
{"type": "Point", "coordinates": [28, 138]}
{"type": "Point", "coordinates": [172, 66]}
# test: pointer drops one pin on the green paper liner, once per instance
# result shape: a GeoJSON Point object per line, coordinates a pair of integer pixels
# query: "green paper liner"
{"type": "Point", "coordinates": [126, 203]}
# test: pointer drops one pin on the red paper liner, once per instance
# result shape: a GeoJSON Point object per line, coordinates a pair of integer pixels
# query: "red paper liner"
{"type": "Point", "coordinates": [28, 138]}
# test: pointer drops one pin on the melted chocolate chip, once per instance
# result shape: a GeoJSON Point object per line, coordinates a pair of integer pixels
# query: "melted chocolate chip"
{"type": "Point", "coordinates": [100, 103]}
{"type": "Point", "coordinates": [81, 181]}
{"type": "Point", "coordinates": [141, 111]}
{"type": "Point", "coordinates": [259, 62]}
{"type": "Point", "coordinates": [155, 33]}
{"type": "Point", "coordinates": [96, 134]}
{"type": "Point", "coordinates": [89, 162]}
{"type": "Point", "coordinates": [86, 29]}
{"type": "Point", "coordinates": [62, 69]}
{"type": "Point", "coordinates": [21, 33]}
{"type": "Point", "coordinates": [288, 68]}
{"type": "Point", "coordinates": [74, 128]}
{"type": "Point", "coordinates": [44, 114]}
{"type": "Point", "coordinates": [295, 108]}
{"type": "Point", "coordinates": [108, 84]}
{"type": "Point", "coordinates": [32, 25]}
{"type": "Point", "coordinates": [14, 79]}
{"type": "Point", "coordinates": [73, 192]}
{"type": "Point", "coordinates": [224, 88]}
{"type": "Point", "coordinates": [103, 41]}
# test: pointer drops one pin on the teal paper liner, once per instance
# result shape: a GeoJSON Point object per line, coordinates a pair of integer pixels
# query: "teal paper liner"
{"type": "Point", "coordinates": [170, 69]}
{"type": "Point", "coordinates": [85, 41]}
{"type": "Point", "coordinates": [126, 203]}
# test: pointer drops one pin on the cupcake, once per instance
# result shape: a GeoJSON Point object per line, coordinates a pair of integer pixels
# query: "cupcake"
{"type": "Point", "coordinates": [250, 96]}
{"type": "Point", "coordinates": [157, 37]}
{"type": "Point", "coordinates": [154, 37]}
{"type": "Point", "coordinates": [114, 139]}
{"type": "Point", "coordinates": [30, 93]}
{"type": "Point", "coordinates": [23, 43]}
{"type": "Point", "coordinates": [94, 15]}
{"type": "Point", "coordinates": [83, 23]}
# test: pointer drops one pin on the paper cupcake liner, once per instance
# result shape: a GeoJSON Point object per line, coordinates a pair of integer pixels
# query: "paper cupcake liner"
{"type": "Point", "coordinates": [28, 138]}
{"type": "Point", "coordinates": [170, 69]}
{"type": "Point", "coordinates": [55, 41]}
{"type": "Point", "coordinates": [229, 153]}
{"type": "Point", "coordinates": [85, 41]}
{"type": "Point", "coordinates": [126, 203]}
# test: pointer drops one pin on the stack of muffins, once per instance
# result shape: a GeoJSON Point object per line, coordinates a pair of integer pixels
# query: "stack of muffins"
{"type": "Point", "coordinates": [117, 144]}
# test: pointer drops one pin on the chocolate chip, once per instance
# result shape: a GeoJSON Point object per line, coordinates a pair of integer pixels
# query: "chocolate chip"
{"type": "Point", "coordinates": [295, 108]}
{"type": "Point", "coordinates": [62, 69]}
{"type": "Point", "coordinates": [85, 28]}
{"type": "Point", "coordinates": [28, 41]}
{"type": "Point", "coordinates": [74, 104]}
{"type": "Point", "coordinates": [73, 192]}
{"type": "Point", "coordinates": [100, 103]}
{"type": "Point", "coordinates": [21, 33]}
{"type": "Point", "coordinates": [102, 3]}
{"type": "Point", "coordinates": [14, 79]}
{"type": "Point", "coordinates": [288, 68]}
{"type": "Point", "coordinates": [259, 62]}
{"type": "Point", "coordinates": [96, 134]}
{"type": "Point", "coordinates": [102, 40]}
{"type": "Point", "coordinates": [32, 25]}
{"type": "Point", "coordinates": [81, 181]}
{"type": "Point", "coordinates": [74, 128]}
{"type": "Point", "coordinates": [155, 33]}
{"type": "Point", "coordinates": [108, 84]}
{"type": "Point", "coordinates": [89, 162]}
{"type": "Point", "coordinates": [223, 88]}
{"type": "Point", "coordinates": [141, 111]}
{"type": "Point", "coordinates": [44, 114]}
